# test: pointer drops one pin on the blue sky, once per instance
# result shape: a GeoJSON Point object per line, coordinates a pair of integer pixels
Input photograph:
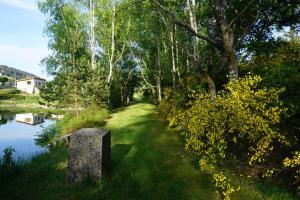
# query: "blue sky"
{"type": "Point", "coordinates": [22, 42]}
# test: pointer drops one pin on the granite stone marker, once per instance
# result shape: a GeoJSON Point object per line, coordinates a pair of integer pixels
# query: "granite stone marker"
{"type": "Point", "coordinates": [89, 155]}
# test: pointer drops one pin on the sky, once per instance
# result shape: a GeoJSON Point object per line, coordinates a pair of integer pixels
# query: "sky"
{"type": "Point", "coordinates": [22, 41]}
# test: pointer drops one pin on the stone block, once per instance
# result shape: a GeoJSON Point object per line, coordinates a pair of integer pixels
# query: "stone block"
{"type": "Point", "coordinates": [89, 155]}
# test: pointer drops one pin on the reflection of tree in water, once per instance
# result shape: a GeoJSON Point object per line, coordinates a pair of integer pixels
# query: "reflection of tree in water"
{"type": "Point", "coordinates": [6, 116]}
{"type": "Point", "coordinates": [3, 121]}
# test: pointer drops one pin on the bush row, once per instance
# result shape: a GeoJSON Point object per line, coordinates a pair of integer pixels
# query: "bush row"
{"type": "Point", "coordinates": [240, 126]}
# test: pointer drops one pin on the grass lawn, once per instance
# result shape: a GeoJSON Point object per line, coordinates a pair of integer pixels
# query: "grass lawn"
{"type": "Point", "coordinates": [148, 162]}
{"type": "Point", "coordinates": [8, 93]}
{"type": "Point", "coordinates": [22, 99]}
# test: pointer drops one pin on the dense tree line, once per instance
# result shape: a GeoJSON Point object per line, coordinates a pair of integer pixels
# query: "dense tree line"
{"type": "Point", "coordinates": [215, 66]}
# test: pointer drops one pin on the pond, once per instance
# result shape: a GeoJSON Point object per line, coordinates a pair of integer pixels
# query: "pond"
{"type": "Point", "coordinates": [19, 130]}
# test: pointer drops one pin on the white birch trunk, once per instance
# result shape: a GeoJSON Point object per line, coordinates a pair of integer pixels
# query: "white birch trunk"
{"type": "Point", "coordinates": [177, 57]}
{"type": "Point", "coordinates": [92, 35]}
{"type": "Point", "coordinates": [111, 58]}
{"type": "Point", "coordinates": [193, 21]}
{"type": "Point", "coordinates": [158, 79]}
{"type": "Point", "coordinates": [173, 60]}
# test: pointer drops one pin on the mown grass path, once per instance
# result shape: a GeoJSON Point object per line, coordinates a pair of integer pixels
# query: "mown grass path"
{"type": "Point", "coordinates": [149, 159]}
{"type": "Point", "coordinates": [148, 163]}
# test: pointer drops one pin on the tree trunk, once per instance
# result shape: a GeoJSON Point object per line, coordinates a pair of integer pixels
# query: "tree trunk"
{"type": "Point", "coordinates": [109, 79]}
{"type": "Point", "coordinates": [186, 75]}
{"type": "Point", "coordinates": [122, 96]}
{"type": "Point", "coordinates": [173, 60]}
{"type": "Point", "coordinates": [211, 84]}
{"type": "Point", "coordinates": [227, 37]}
{"type": "Point", "coordinates": [177, 58]}
{"type": "Point", "coordinates": [112, 52]}
{"type": "Point", "coordinates": [92, 34]}
{"type": "Point", "coordinates": [76, 102]}
{"type": "Point", "coordinates": [187, 59]}
{"type": "Point", "coordinates": [158, 78]}
{"type": "Point", "coordinates": [193, 21]}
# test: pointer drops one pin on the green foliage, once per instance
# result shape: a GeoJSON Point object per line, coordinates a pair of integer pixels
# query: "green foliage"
{"type": "Point", "coordinates": [278, 63]}
{"type": "Point", "coordinates": [50, 93]}
{"type": "Point", "coordinates": [7, 159]}
{"type": "Point", "coordinates": [123, 85]}
{"type": "Point", "coordinates": [3, 79]}
{"type": "Point", "coordinates": [47, 135]}
{"type": "Point", "coordinates": [114, 95]}
{"type": "Point", "coordinates": [279, 67]}
{"type": "Point", "coordinates": [75, 83]}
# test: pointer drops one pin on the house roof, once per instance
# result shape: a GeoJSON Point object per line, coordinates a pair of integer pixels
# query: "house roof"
{"type": "Point", "coordinates": [30, 78]}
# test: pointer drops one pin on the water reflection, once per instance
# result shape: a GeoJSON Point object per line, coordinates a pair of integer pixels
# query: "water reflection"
{"type": "Point", "coordinates": [30, 118]}
{"type": "Point", "coordinates": [5, 118]}
{"type": "Point", "coordinates": [20, 130]}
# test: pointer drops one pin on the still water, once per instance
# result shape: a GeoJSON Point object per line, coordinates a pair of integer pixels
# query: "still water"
{"type": "Point", "coordinates": [19, 131]}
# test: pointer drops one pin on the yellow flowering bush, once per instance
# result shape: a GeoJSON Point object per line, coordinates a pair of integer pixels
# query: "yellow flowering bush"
{"type": "Point", "coordinates": [294, 163]}
{"type": "Point", "coordinates": [172, 106]}
{"type": "Point", "coordinates": [239, 123]}
{"type": "Point", "coordinates": [224, 188]}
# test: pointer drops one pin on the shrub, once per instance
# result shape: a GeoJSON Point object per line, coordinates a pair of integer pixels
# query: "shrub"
{"type": "Point", "coordinates": [224, 188]}
{"type": "Point", "coordinates": [294, 165]}
{"type": "Point", "coordinates": [172, 106]}
{"type": "Point", "coordinates": [239, 124]}
{"type": "Point", "coordinates": [241, 121]}
{"type": "Point", "coordinates": [48, 134]}
{"type": "Point", "coordinates": [280, 68]}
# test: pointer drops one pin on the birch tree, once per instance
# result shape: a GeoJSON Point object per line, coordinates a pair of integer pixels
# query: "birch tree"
{"type": "Point", "coordinates": [92, 34]}
{"type": "Point", "coordinates": [112, 50]}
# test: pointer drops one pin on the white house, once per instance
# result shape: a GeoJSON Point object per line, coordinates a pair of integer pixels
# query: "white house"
{"type": "Point", "coordinates": [30, 118]}
{"type": "Point", "coordinates": [30, 85]}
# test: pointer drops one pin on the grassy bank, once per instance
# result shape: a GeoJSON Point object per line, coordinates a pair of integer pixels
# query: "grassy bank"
{"type": "Point", "coordinates": [148, 162]}
{"type": "Point", "coordinates": [93, 116]}
{"type": "Point", "coordinates": [12, 97]}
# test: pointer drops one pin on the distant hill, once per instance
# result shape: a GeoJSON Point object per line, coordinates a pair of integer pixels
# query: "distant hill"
{"type": "Point", "coordinates": [14, 73]}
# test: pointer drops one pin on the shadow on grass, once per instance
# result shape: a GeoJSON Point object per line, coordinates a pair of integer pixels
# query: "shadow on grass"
{"type": "Point", "coordinates": [33, 178]}
{"type": "Point", "coordinates": [119, 151]}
